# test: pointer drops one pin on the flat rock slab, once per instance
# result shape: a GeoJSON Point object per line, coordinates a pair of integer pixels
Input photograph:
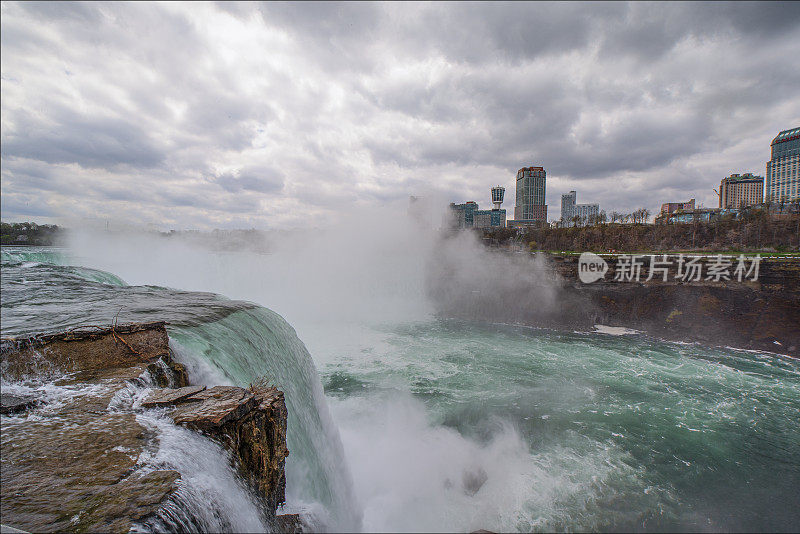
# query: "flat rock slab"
{"type": "Point", "coordinates": [167, 397]}
{"type": "Point", "coordinates": [214, 407]}
{"type": "Point", "coordinates": [16, 403]}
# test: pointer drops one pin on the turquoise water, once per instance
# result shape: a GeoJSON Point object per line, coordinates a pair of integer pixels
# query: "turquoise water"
{"type": "Point", "coordinates": [257, 342]}
{"type": "Point", "coordinates": [603, 432]}
{"type": "Point", "coordinates": [438, 425]}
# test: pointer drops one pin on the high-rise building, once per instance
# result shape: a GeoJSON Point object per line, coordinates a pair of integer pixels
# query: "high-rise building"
{"type": "Point", "coordinates": [783, 182]}
{"type": "Point", "coordinates": [498, 192]}
{"type": "Point", "coordinates": [587, 212]}
{"type": "Point", "coordinates": [490, 219]}
{"type": "Point", "coordinates": [738, 191]}
{"type": "Point", "coordinates": [530, 208]}
{"type": "Point", "coordinates": [495, 217]}
{"type": "Point", "coordinates": [568, 207]}
{"type": "Point", "coordinates": [570, 210]}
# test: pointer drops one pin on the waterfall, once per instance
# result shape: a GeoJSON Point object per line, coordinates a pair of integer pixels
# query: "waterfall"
{"type": "Point", "coordinates": [257, 342]}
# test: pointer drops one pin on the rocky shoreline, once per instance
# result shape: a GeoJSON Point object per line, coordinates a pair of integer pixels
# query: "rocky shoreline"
{"type": "Point", "coordinates": [756, 315]}
{"type": "Point", "coordinates": [547, 292]}
{"type": "Point", "coordinates": [72, 464]}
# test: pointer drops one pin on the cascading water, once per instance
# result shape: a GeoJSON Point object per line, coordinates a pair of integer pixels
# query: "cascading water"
{"type": "Point", "coordinates": [49, 255]}
{"type": "Point", "coordinates": [220, 341]}
{"type": "Point", "coordinates": [257, 342]}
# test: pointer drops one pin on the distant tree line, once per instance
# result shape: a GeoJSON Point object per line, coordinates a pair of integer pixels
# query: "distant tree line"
{"type": "Point", "coordinates": [636, 217]}
{"type": "Point", "coordinates": [756, 230]}
{"type": "Point", "coordinates": [29, 233]}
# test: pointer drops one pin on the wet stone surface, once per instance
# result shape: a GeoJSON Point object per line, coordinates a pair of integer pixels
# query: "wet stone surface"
{"type": "Point", "coordinates": [251, 423]}
{"type": "Point", "coordinates": [72, 463]}
{"type": "Point", "coordinates": [16, 403]}
{"type": "Point", "coordinates": [213, 407]}
{"type": "Point", "coordinates": [168, 397]}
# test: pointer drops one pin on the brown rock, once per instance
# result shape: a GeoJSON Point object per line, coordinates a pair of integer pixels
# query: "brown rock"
{"type": "Point", "coordinates": [83, 475]}
{"type": "Point", "coordinates": [166, 397]}
{"type": "Point", "coordinates": [88, 349]}
{"type": "Point", "coordinates": [288, 523]}
{"type": "Point", "coordinates": [259, 442]}
{"type": "Point", "coordinates": [213, 407]}
{"type": "Point", "coordinates": [251, 423]}
{"type": "Point", "coordinates": [75, 468]}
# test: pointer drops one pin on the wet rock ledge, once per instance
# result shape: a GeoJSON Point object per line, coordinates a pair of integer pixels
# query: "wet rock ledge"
{"type": "Point", "coordinates": [249, 422]}
{"type": "Point", "coordinates": [70, 455]}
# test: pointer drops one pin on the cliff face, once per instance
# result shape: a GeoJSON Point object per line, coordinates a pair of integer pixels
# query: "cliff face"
{"type": "Point", "coordinates": [71, 464]}
{"type": "Point", "coordinates": [547, 292]}
{"type": "Point", "coordinates": [763, 314]}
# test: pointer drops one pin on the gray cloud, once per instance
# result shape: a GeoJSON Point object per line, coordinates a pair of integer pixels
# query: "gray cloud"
{"type": "Point", "coordinates": [273, 114]}
{"type": "Point", "coordinates": [258, 179]}
{"type": "Point", "coordinates": [90, 141]}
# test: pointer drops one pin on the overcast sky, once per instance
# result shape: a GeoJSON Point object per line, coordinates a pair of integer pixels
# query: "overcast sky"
{"type": "Point", "coordinates": [280, 115]}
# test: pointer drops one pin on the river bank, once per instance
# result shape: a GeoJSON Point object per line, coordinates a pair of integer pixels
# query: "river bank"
{"type": "Point", "coordinates": [546, 291]}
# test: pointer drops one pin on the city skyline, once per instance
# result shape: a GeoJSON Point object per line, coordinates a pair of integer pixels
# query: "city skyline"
{"type": "Point", "coordinates": [273, 115]}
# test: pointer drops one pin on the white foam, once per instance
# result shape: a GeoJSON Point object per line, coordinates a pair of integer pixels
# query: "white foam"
{"type": "Point", "coordinates": [414, 475]}
{"type": "Point", "coordinates": [614, 330]}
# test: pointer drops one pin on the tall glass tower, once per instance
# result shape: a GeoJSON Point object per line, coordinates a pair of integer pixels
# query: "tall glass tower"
{"type": "Point", "coordinates": [783, 182]}
{"type": "Point", "coordinates": [530, 205]}
{"type": "Point", "coordinates": [568, 207]}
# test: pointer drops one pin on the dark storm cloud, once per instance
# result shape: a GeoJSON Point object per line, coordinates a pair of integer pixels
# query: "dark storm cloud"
{"type": "Point", "coordinates": [639, 143]}
{"type": "Point", "coordinates": [464, 32]}
{"type": "Point", "coordinates": [475, 32]}
{"type": "Point", "coordinates": [532, 120]}
{"type": "Point", "coordinates": [285, 111]}
{"type": "Point", "coordinates": [90, 141]}
{"type": "Point", "coordinates": [767, 19]}
{"type": "Point", "coordinates": [650, 30]}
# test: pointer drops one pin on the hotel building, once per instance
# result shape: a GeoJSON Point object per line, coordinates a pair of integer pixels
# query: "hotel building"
{"type": "Point", "coordinates": [737, 191]}
{"type": "Point", "coordinates": [530, 208]}
{"type": "Point", "coordinates": [783, 183]}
